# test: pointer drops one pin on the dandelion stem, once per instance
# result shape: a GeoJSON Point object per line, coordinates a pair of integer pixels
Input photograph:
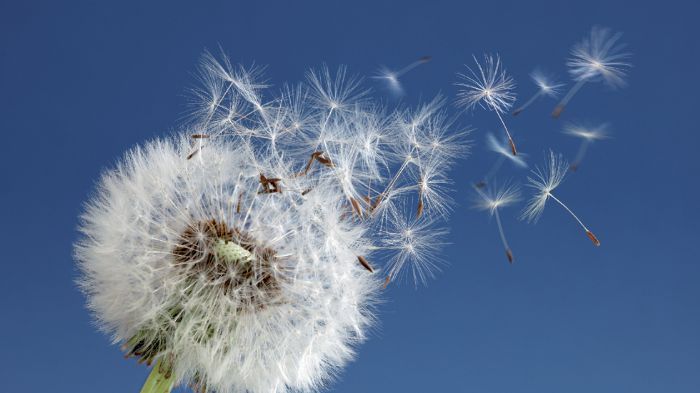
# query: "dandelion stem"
{"type": "Point", "coordinates": [581, 153]}
{"type": "Point", "coordinates": [503, 235]}
{"type": "Point", "coordinates": [569, 210]}
{"type": "Point", "coordinates": [494, 168]}
{"type": "Point", "coordinates": [160, 380]}
{"type": "Point", "coordinates": [396, 177]}
{"type": "Point", "coordinates": [528, 103]}
{"type": "Point", "coordinates": [590, 234]}
{"type": "Point", "coordinates": [413, 65]}
{"type": "Point", "coordinates": [510, 139]}
{"type": "Point", "coordinates": [564, 101]}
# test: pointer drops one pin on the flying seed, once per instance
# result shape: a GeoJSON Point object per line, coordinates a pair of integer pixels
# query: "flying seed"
{"type": "Point", "coordinates": [365, 264]}
{"type": "Point", "coordinates": [593, 238]}
{"type": "Point", "coordinates": [509, 254]}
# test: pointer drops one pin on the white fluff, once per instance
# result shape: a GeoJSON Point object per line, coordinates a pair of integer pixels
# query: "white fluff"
{"type": "Point", "coordinates": [234, 253]}
{"type": "Point", "coordinates": [293, 338]}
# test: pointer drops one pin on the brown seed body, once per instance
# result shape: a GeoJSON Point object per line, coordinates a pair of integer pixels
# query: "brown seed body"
{"type": "Point", "coordinates": [512, 147]}
{"type": "Point", "coordinates": [509, 254]}
{"type": "Point", "coordinates": [593, 238]}
{"type": "Point", "coordinates": [365, 264]}
{"type": "Point", "coordinates": [557, 111]}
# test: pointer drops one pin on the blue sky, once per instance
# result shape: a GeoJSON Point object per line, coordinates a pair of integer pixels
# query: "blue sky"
{"type": "Point", "coordinates": [80, 83]}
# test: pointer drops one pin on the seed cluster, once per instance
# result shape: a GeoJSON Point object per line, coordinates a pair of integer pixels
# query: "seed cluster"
{"type": "Point", "coordinates": [230, 259]}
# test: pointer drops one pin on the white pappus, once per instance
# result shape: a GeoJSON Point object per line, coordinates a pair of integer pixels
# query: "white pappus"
{"type": "Point", "coordinates": [546, 86]}
{"type": "Point", "coordinates": [491, 88]}
{"type": "Point", "coordinates": [237, 256]}
{"type": "Point", "coordinates": [544, 181]}
{"type": "Point", "coordinates": [598, 57]}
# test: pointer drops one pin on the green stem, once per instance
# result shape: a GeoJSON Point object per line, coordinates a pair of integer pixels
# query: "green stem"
{"type": "Point", "coordinates": [160, 380]}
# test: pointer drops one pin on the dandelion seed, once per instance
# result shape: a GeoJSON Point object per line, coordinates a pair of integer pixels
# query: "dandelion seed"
{"type": "Point", "coordinates": [492, 200]}
{"type": "Point", "coordinates": [588, 135]}
{"type": "Point", "coordinates": [491, 88]}
{"type": "Point", "coordinates": [599, 57]}
{"type": "Point", "coordinates": [502, 149]}
{"type": "Point", "coordinates": [547, 86]}
{"type": "Point", "coordinates": [365, 264]}
{"type": "Point", "coordinates": [425, 152]}
{"type": "Point", "coordinates": [317, 156]}
{"type": "Point", "coordinates": [416, 242]}
{"type": "Point", "coordinates": [545, 180]}
{"type": "Point", "coordinates": [391, 78]}
{"type": "Point", "coordinates": [335, 93]}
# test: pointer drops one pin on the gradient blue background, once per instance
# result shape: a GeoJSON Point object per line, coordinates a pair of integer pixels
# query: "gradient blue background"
{"type": "Point", "coordinates": [80, 83]}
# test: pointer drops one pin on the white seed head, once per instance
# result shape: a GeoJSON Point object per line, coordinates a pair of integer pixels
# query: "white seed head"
{"type": "Point", "coordinates": [237, 252]}
{"type": "Point", "coordinates": [544, 181]}
{"type": "Point", "coordinates": [187, 260]}
{"type": "Point", "coordinates": [503, 150]}
{"type": "Point", "coordinates": [391, 80]}
{"type": "Point", "coordinates": [587, 132]}
{"type": "Point", "coordinates": [496, 196]}
{"type": "Point", "coordinates": [488, 86]}
{"type": "Point", "coordinates": [547, 85]}
{"type": "Point", "coordinates": [600, 57]}
{"type": "Point", "coordinates": [416, 244]}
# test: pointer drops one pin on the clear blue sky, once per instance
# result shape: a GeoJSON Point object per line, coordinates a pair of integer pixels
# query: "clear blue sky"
{"type": "Point", "coordinates": [80, 83]}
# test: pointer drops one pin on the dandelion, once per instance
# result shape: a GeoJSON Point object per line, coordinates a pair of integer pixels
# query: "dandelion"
{"type": "Point", "coordinates": [492, 200]}
{"type": "Point", "coordinates": [241, 255]}
{"type": "Point", "coordinates": [184, 278]}
{"type": "Point", "coordinates": [491, 88]}
{"type": "Point", "coordinates": [546, 85]}
{"type": "Point", "coordinates": [416, 244]}
{"type": "Point", "coordinates": [599, 57]}
{"type": "Point", "coordinates": [588, 135]}
{"type": "Point", "coordinates": [504, 154]}
{"type": "Point", "coordinates": [391, 78]}
{"type": "Point", "coordinates": [545, 181]}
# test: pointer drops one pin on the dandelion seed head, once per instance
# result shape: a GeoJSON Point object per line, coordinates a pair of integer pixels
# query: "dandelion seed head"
{"type": "Point", "coordinates": [391, 80]}
{"type": "Point", "coordinates": [547, 85]}
{"type": "Point", "coordinates": [543, 181]}
{"type": "Point", "coordinates": [335, 91]}
{"type": "Point", "coordinates": [497, 196]}
{"type": "Point", "coordinates": [172, 269]}
{"type": "Point", "coordinates": [230, 251]}
{"type": "Point", "coordinates": [600, 56]}
{"type": "Point", "coordinates": [487, 85]}
{"type": "Point", "coordinates": [417, 243]}
{"type": "Point", "coordinates": [502, 148]}
{"type": "Point", "coordinates": [587, 132]}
